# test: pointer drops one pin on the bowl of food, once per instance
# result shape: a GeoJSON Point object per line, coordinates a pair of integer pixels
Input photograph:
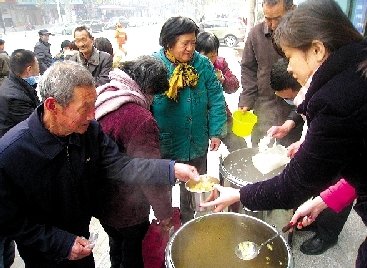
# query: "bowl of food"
{"type": "Point", "coordinates": [200, 190]}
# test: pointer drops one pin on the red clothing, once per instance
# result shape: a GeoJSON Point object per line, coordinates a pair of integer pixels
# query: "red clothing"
{"type": "Point", "coordinates": [339, 195]}
{"type": "Point", "coordinates": [230, 84]}
{"type": "Point", "coordinates": [135, 131]}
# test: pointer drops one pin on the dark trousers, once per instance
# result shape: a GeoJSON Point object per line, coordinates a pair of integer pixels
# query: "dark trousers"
{"type": "Point", "coordinates": [187, 212]}
{"type": "Point", "coordinates": [7, 253]}
{"type": "Point", "coordinates": [361, 261]}
{"type": "Point", "coordinates": [329, 223]}
{"type": "Point", "coordinates": [126, 245]}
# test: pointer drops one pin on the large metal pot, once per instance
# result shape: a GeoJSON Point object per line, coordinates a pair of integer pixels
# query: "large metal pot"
{"type": "Point", "coordinates": [210, 241]}
{"type": "Point", "coordinates": [237, 170]}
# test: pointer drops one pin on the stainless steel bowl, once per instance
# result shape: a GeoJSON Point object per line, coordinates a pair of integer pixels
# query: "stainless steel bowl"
{"type": "Point", "coordinates": [200, 195]}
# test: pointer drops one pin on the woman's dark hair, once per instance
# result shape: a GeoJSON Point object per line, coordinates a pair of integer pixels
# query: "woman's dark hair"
{"type": "Point", "coordinates": [148, 72]}
{"type": "Point", "coordinates": [280, 79]}
{"type": "Point", "coordinates": [103, 44]}
{"type": "Point", "coordinates": [73, 46]}
{"type": "Point", "coordinates": [321, 20]}
{"type": "Point", "coordinates": [207, 42]}
{"type": "Point", "coordinates": [65, 43]}
{"type": "Point", "coordinates": [20, 59]}
{"type": "Point", "coordinates": [175, 27]}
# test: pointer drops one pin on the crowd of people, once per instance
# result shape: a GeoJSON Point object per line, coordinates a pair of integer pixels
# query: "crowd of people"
{"type": "Point", "coordinates": [88, 133]}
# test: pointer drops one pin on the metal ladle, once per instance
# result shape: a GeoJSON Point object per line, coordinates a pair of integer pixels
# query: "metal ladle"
{"type": "Point", "coordinates": [248, 250]}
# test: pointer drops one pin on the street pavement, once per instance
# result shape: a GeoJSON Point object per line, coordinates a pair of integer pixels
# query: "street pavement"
{"type": "Point", "coordinates": [145, 41]}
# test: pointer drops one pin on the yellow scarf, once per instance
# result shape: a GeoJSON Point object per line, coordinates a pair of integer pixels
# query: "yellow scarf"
{"type": "Point", "coordinates": [183, 75]}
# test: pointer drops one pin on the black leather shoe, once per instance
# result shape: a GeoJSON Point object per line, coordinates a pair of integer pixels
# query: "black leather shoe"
{"type": "Point", "coordinates": [316, 245]}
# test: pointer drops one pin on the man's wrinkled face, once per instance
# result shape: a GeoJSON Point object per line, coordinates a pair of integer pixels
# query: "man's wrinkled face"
{"type": "Point", "coordinates": [77, 115]}
{"type": "Point", "coordinates": [273, 14]}
{"type": "Point", "coordinates": [83, 41]}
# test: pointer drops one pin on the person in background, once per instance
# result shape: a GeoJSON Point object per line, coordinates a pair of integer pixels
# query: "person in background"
{"type": "Point", "coordinates": [208, 45]}
{"type": "Point", "coordinates": [98, 63]}
{"type": "Point", "coordinates": [103, 44]}
{"type": "Point", "coordinates": [66, 52]}
{"type": "Point", "coordinates": [18, 99]}
{"type": "Point", "coordinates": [121, 52]}
{"type": "Point", "coordinates": [258, 57]}
{"type": "Point", "coordinates": [53, 165]}
{"type": "Point", "coordinates": [42, 50]}
{"type": "Point", "coordinates": [192, 111]}
{"type": "Point", "coordinates": [122, 109]}
{"type": "Point", "coordinates": [4, 62]}
{"type": "Point", "coordinates": [326, 235]}
{"type": "Point", "coordinates": [287, 88]}
{"type": "Point", "coordinates": [18, 96]}
{"type": "Point", "coordinates": [121, 38]}
{"type": "Point", "coordinates": [335, 106]}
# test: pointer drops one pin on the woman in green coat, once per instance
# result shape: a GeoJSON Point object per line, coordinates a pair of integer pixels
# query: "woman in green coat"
{"type": "Point", "coordinates": [192, 111]}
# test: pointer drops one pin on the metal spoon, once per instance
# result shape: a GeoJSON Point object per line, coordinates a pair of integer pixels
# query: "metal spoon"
{"type": "Point", "coordinates": [248, 250]}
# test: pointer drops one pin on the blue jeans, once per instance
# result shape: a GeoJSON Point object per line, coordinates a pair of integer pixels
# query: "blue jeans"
{"type": "Point", "coordinates": [7, 253]}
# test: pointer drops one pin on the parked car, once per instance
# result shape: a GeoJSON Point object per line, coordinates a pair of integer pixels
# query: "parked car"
{"type": "Point", "coordinates": [96, 26]}
{"type": "Point", "coordinates": [229, 31]}
{"type": "Point", "coordinates": [111, 24]}
{"type": "Point", "coordinates": [137, 21]}
{"type": "Point", "coordinates": [64, 29]}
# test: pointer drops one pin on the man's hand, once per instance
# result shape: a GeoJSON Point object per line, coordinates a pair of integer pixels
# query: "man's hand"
{"type": "Point", "coordinates": [214, 144]}
{"type": "Point", "coordinates": [185, 172]}
{"type": "Point", "coordinates": [80, 249]}
{"type": "Point", "coordinates": [227, 197]}
{"type": "Point", "coordinates": [279, 132]}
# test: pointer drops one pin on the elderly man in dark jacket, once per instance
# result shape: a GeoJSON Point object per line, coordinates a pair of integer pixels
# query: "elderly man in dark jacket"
{"type": "Point", "coordinates": [98, 63]}
{"type": "Point", "coordinates": [42, 50]}
{"type": "Point", "coordinates": [53, 165]}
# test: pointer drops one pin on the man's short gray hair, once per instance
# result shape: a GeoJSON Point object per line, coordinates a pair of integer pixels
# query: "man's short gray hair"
{"type": "Point", "coordinates": [287, 3]}
{"type": "Point", "coordinates": [60, 80]}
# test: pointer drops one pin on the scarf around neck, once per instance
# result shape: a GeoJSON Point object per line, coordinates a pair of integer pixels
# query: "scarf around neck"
{"type": "Point", "coordinates": [121, 90]}
{"type": "Point", "coordinates": [183, 75]}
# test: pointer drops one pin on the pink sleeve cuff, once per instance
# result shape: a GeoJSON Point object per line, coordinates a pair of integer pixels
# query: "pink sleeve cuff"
{"type": "Point", "coordinates": [339, 195]}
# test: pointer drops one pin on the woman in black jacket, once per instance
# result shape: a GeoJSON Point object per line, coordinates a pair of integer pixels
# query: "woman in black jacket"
{"type": "Point", "coordinates": [319, 41]}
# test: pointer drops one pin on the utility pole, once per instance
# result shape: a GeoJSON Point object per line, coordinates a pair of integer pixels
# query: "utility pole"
{"type": "Point", "coordinates": [59, 11]}
{"type": "Point", "coordinates": [2, 23]}
{"type": "Point", "coordinates": [251, 10]}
